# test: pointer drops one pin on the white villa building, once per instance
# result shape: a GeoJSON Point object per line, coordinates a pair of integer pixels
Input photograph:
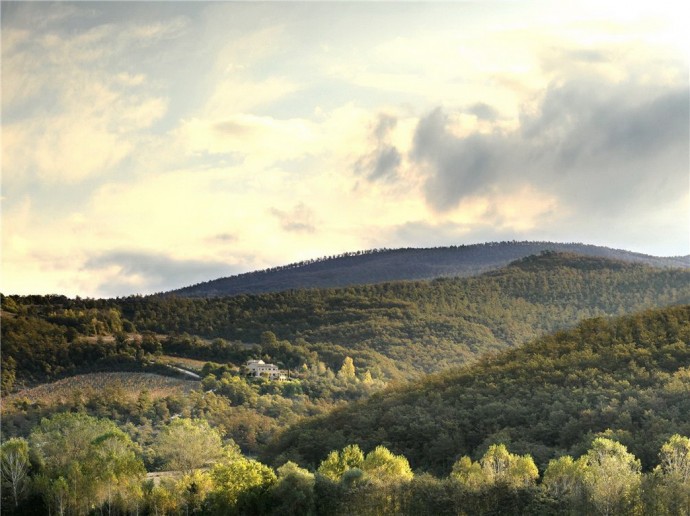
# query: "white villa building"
{"type": "Point", "coordinates": [259, 368]}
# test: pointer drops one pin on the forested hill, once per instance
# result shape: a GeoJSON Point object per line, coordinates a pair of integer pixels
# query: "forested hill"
{"type": "Point", "coordinates": [404, 328]}
{"type": "Point", "coordinates": [626, 378]}
{"type": "Point", "coordinates": [377, 266]}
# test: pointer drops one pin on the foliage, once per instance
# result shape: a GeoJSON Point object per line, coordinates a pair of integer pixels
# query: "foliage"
{"type": "Point", "coordinates": [85, 461]}
{"type": "Point", "coordinates": [240, 484]}
{"type": "Point", "coordinates": [549, 398]}
{"type": "Point", "coordinates": [188, 444]}
{"type": "Point", "coordinates": [14, 468]}
{"type": "Point", "coordinates": [497, 466]}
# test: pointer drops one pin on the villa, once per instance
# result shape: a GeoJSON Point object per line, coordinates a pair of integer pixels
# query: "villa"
{"type": "Point", "coordinates": [260, 369]}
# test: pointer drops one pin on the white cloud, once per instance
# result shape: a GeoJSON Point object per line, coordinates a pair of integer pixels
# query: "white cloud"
{"type": "Point", "coordinates": [71, 108]}
{"type": "Point", "coordinates": [262, 139]}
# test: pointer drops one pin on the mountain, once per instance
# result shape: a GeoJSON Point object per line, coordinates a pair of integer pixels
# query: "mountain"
{"type": "Point", "coordinates": [627, 378]}
{"type": "Point", "coordinates": [377, 266]}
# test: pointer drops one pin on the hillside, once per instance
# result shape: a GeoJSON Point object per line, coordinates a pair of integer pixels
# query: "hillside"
{"type": "Point", "coordinates": [378, 266]}
{"type": "Point", "coordinates": [403, 328]}
{"type": "Point", "coordinates": [629, 375]}
{"type": "Point", "coordinates": [395, 330]}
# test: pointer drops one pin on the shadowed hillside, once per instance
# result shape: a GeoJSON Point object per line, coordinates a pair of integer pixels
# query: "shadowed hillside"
{"type": "Point", "coordinates": [377, 266]}
{"type": "Point", "coordinates": [628, 376]}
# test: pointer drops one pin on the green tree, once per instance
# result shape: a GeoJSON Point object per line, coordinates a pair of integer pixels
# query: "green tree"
{"type": "Point", "coordinates": [14, 466]}
{"type": "Point", "coordinates": [670, 481]}
{"type": "Point", "coordinates": [337, 463]}
{"type": "Point", "coordinates": [564, 477]}
{"type": "Point", "coordinates": [84, 461]}
{"type": "Point", "coordinates": [8, 374]}
{"type": "Point", "coordinates": [383, 465]}
{"type": "Point", "coordinates": [612, 476]}
{"type": "Point", "coordinates": [239, 484]}
{"type": "Point", "coordinates": [468, 473]}
{"type": "Point", "coordinates": [119, 469]}
{"type": "Point", "coordinates": [188, 444]}
{"type": "Point", "coordinates": [194, 488]}
{"type": "Point", "coordinates": [675, 458]}
{"type": "Point", "coordinates": [293, 493]}
{"type": "Point", "coordinates": [497, 466]}
{"type": "Point", "coordinates": [347, 370]}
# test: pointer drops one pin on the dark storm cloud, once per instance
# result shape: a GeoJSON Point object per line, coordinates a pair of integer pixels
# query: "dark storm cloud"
{"type": "Point", "coordinates": [152, 272]}
{"type": "Point", "coordinates": [598, 146]}
{"type": "Point", "coordinates": [383, 161]}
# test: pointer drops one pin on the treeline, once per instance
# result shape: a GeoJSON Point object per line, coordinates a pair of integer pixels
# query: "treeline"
{"type": "Point", "coordinates": [74, 464]}
{"type": "Point", "coordinates": [547, 398]}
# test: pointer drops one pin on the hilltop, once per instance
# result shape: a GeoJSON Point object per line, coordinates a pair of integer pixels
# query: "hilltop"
{"type": "Point", "coordinates": [385, 265]}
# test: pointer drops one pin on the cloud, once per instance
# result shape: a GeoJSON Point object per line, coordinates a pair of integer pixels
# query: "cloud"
{"type": "Point", "coordinates": [223, 237]}
{"type": "Point", "coordinates": [609, 148]}
{"type": "Point", "coordinates": [125, 272]}
{"type": "Point", "coordinates": [72, 106]}
{"type": "Point", "coordinates": [384, 160]}
{"type": "Point", "coordinates": [259, 139]}
{"type": "Point", "coordinates": [300, 219]}
{"type": "Point", "coordinates": [483, 111]}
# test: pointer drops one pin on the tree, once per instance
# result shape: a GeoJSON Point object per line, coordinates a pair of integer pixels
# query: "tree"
{"type": "Point", "coordinates": [337, 463]}
{"type": "Point", "coordinates": [293, 493]}
{"type": "Point", "coordinates": [468, 473]}
{"type": "Point", "coordinates": [14, 466]}
{"type": "Point", "coordinates": [347, 370]}
{"type": "Point", "coordinates": [194, 488]}
{"type": "Point", "coordinates": [564, 477]}
{"type": "Point", "coordinates": [497, 466]}
{"type": "Point", "coordinates": [239, 484]}
{"type": "Point", "coordinates": [670, 480]}
{"type": "Point", "coordinates": [118, 468]}
{"type": "Point", "coordinates": [85, 461]}
{"type": "Point", "coordinates": [675, 458]}
{"type": "Point", "coordinates": [8, 374]}
{"type": "Point", "coordinates": [383, 465]}
{"type": "Point", "coordinates": [612, 476]}
{"type": "Point", "coordinates": [188, 444]}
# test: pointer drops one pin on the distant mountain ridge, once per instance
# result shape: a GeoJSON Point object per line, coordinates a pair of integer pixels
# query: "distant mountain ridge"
{"type": "Point", "coordinates": [382, 265]}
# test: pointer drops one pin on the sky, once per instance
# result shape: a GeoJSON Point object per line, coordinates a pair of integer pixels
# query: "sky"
{"type": "Point", "coordinates": [150, 146]}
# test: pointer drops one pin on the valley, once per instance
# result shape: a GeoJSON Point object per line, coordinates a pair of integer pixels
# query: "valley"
{"type": "Point", "coordinates": [548, 356]}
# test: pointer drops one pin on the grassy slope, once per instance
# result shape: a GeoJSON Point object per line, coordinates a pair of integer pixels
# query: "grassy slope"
{"type": "Point", "coordinates": [630, 375]}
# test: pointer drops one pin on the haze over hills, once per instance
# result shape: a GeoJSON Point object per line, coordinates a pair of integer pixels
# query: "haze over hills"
{"type": "Point", "coordinates": [381, 265]}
